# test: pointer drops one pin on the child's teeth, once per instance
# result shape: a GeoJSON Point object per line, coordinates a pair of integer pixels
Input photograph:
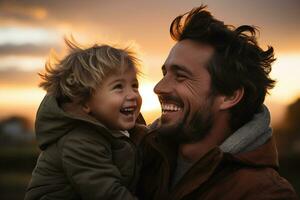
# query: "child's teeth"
{"type": "Point", "coordinates": [128, 109]}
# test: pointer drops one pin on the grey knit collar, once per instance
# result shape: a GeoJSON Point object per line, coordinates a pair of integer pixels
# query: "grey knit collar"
{"type": "Point", "coordinates": [250, 136]}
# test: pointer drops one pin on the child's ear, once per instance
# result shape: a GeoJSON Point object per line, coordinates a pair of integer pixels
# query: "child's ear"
{"type": "Point", "coordinates": [231, 100]}
{"type": "Point", "coordinates": [86, 108]}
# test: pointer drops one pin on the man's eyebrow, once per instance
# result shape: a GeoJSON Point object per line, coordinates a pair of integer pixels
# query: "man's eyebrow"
{"type": "Point", "coordinates": [181, 68]}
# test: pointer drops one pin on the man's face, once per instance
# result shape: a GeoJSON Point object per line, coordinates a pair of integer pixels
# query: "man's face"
{"type": "Point", "coordinates": [185, 90]}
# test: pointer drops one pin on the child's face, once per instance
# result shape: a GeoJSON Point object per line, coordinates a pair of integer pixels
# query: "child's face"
{"type": "Point", "coordinates": [116, 102]}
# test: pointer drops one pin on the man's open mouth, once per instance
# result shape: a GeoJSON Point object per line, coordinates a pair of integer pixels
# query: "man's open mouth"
{"type": "Point", "coordinates": [170, 104]}
{"type": "Point", "coordinates": [169, 107]}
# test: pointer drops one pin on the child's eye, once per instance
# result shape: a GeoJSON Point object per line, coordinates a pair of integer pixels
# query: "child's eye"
{"type": "Point", "coordinates": [118, 86]}
{"type": "Point", "coordinates": [135, 85]}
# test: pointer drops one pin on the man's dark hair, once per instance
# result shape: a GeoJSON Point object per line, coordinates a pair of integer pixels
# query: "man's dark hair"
{"type": "Point", "coordinates": [238, 62]}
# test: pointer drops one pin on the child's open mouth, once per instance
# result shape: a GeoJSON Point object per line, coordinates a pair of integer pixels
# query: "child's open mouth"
{"type": "Point", "coordinates": [127, 111]}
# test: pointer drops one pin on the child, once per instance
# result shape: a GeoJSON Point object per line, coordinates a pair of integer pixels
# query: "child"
{"type": "Point", "coordinates": [82, 127]}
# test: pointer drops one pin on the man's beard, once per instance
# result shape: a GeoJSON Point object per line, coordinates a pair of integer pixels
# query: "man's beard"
{"type": "Point", "coordinates": [193, 130]}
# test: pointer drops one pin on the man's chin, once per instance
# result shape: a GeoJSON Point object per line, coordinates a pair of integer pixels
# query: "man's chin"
{"type": "Point", "coordinates": [179, 132]}
{"type": "Point", "coordinates": [167, 120]}
{"type": "Point", "coordinates": [169, 129]}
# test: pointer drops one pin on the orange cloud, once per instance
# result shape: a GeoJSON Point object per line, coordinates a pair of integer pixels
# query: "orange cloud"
{"type": "Point", "coordinates": [22, 11]}
{"type": "Point", "coordinates": [25, 50]}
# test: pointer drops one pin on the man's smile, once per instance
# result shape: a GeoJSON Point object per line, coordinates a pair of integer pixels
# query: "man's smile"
{"type": "Point", "coordinates": [167, 107]}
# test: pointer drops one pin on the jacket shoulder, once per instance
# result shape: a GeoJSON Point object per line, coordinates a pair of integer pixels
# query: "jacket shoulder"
{"type": "Point", "coordinates": [263, 183]}
{"type": "Point", "coordinates": [86, 136]}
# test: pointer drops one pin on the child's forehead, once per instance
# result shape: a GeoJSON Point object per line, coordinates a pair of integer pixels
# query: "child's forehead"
{"type": "Point", "coordinates": [123, 70]}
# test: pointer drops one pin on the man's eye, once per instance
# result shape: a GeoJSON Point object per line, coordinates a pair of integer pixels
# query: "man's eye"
{"type": "Point", "coordinates": [180, 77]}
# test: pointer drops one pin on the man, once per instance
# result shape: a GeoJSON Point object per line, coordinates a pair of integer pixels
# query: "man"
{"type": "Point", "coordinates": [213, 140]}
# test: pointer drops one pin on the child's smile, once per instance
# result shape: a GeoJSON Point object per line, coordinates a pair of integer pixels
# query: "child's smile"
{"type": "Point", "coordinates": [117, 102]}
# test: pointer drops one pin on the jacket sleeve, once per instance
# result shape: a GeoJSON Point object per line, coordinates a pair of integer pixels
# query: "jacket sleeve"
{"type": "Point", "coordinates": [272, 187]}
{"type": "Point", "coordinates": [88, 164]}
{"type": "Point", "coordinates": [272, 194]}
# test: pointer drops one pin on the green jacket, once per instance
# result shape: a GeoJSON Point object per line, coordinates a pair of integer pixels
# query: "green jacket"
{"type": "Point", "coordinates": [81, 159]}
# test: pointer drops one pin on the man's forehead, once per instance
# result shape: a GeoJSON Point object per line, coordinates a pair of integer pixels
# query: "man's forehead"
{"type": "Point", "coordinates": [189, 52]}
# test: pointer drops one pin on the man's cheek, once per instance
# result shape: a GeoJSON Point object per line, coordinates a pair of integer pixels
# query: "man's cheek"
{"type": "Point", "coordinates": [192, 91]}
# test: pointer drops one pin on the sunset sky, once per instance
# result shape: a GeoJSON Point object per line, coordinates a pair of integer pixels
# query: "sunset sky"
{"type": "Point", "coordinates": [31, 29]}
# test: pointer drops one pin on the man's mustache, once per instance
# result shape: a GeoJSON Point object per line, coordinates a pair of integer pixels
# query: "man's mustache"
{"type": "Point", "coordinates": [170, 98]}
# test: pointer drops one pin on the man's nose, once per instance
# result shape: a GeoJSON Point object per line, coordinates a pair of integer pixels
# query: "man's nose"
{"type": "Point", "coordinates": [163, 86]}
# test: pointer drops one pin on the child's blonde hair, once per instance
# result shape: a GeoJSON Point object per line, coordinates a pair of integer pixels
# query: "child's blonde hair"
{"type": "Point", "coordinates": [76, 77]}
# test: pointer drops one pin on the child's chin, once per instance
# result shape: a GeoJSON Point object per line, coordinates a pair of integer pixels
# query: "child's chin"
{"type": "Point", "coordinates": [127, 126]}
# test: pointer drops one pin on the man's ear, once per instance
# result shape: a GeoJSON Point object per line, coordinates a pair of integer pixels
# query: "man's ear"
{"type": "Point", "coordinates": [231, 100]}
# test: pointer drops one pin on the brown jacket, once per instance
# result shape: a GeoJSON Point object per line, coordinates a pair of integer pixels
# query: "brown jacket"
{"type": "Point", "coordinates": [217, 175]}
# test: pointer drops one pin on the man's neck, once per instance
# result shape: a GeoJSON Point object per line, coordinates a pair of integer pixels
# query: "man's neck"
{"type": "Point", "coordinates": [194, 151]}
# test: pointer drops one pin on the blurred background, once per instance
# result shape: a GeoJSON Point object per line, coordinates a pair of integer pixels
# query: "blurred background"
{"type": "Point", "coordinates": [31, 29]}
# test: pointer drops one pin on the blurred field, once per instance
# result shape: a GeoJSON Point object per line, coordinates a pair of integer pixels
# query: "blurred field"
{"type": "Point", "coordinates": [17, 162]}
{"type": "Point", "coordinates": [289, 168]}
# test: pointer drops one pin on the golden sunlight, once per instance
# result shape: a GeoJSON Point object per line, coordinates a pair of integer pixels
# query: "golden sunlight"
{"type": "Point", "coordinates": [20, 101]}
{"type": "Point", "coordinates": [21, 96]}
{"type": "Point", "coordinates": [25, 63]}
{"type": "Point", "coordinates": [151, 107]}
{"type": "Point", "coordinates": [150, 100]}
{"type": "Point", "coordinates": [285, 71]}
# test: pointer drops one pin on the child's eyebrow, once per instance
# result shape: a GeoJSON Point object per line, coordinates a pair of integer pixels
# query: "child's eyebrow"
{"type": "Point", "coordinates": [115, 81]}
{"type": "Point", "coordinates": [120, 80]}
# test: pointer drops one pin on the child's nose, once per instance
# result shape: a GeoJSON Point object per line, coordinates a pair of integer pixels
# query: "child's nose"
{"type": "Point", "coordinates": [131, 95]}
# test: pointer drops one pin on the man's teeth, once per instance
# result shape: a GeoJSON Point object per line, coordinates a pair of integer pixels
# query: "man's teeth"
{"type": "Point", "coordinates": [170, 107]}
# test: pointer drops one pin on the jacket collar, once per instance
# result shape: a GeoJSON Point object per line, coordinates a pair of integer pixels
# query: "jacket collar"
{"type": "Point", "coordinates": [263, 156]}
{"type": "Point", "coordinates": [203, 169]}
{"type": "Point", "coordinates": [52, 122]}
{"type": "Point", "coordinates": [251, 135]}
{"type": "Point", "coordinates": [200, 172]}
